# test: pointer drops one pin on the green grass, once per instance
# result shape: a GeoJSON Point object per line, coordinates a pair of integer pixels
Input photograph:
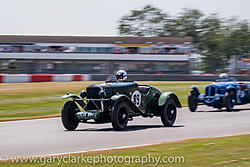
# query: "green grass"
{"type": "Point", "coordinates": [28, 100]}
{"type": "Point", "coordinates": [216, 152]}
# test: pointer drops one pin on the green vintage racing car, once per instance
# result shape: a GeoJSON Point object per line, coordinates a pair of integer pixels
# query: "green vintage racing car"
{"type": "Point", "coordinates": [118, 101]}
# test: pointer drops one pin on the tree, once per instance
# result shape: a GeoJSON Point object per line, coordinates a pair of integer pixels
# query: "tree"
{"type": "Point", "coordinates": [216, 39]}
{"type": "Point", "coordinates": [145, 22]}
{"type": "Point", "coordinates": [211, 43]}
{"type": "Point", "coordinates": [238, 40]}
{"type": "Point", "coordinates": [188, 23]}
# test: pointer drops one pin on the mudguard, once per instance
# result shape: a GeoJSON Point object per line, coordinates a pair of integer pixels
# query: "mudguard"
{"type": "Point", "coordinates": [68, 95]}
{"type": "Point", "coordinates": [230, 88]}
{"type": "Point", "coordinates": [195, 89]}
{"type": "Point", "coordinates": [122, 97]}
{"type": "Point", "coordinates": [165, 96]}
{"type": "Point", "coordinates": [74, 98]}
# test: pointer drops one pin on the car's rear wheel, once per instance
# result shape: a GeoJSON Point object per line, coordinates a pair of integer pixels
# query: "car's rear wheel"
{"type": "Point", "coordinates": [192, 102]}
{"type": "Point", "coordinates": [168, 113]}
{"type": "Point", "coordinates": [69, 120]}
{"type": "Point", "coordinates": [120, 115]}
{"type": "Point", "coordinates": [228, 100]}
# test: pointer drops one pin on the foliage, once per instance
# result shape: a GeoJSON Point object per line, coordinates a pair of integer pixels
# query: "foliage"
{"type": "Point", "coordinates": [215, 38]}
{"type": "Point", "coordinates": [146, 22]}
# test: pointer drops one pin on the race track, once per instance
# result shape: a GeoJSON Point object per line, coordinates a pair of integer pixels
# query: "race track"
{"type": "Point", "coordinates": [47, 136]}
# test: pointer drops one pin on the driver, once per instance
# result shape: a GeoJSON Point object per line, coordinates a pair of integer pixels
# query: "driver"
{"type": "Point", "coordinates": [121, 75]}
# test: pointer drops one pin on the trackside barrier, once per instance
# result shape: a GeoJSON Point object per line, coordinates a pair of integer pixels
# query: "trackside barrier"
{"type": "Point", "coordinates": [22, 78]}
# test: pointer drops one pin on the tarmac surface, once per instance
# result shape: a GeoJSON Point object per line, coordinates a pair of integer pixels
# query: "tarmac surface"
{"type": "Point", "coordinates": [48, 136]}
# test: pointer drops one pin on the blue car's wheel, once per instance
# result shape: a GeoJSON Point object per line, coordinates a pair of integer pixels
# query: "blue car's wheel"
{"type": "Point", "coordinates": [192, 102]}
{"type": "Point", "coordinates": [228, 100]}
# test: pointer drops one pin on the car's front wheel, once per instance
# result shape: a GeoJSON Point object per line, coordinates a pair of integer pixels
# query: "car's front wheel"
{"type": "Point", "coordinates": [228, 100]}
{"type": "Point", "coordinates": [192, 102]}
{"type": "Point", "coordinates": [120, 115]}
{"type": "Point", "coordinates": [69, 120]}
{"type": "Point", "coordinates": [168, 113]}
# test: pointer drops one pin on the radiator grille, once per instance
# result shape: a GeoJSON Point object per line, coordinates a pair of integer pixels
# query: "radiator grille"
{"type": "Point", "coordinates": [210, 91]}
{"type": "Point", "coordinates": [93, 94]}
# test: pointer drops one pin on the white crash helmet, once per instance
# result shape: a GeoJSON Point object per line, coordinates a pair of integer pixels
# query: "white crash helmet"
{"type": "Point", "coordinates": [121, 75]}
{"type": "Point", "coordinates": [223, 76]}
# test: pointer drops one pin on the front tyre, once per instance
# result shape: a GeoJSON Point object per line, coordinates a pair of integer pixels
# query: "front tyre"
{"type": "Point", "coordinates": [120, 115]}
{"type": "Point", "coordinates": [69, 120]}
{"type": "Point", "coordinates": [192, 102]}
{"type": "Point", "coordinates": [228, 100]}
{"type": "Point", "coordinates": [168, 113]}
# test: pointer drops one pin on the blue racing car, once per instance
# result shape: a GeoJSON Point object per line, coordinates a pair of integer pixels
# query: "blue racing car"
{"type": "Point", "coordinates": [225, 92]}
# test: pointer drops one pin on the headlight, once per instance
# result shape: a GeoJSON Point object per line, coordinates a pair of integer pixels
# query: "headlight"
{"type": "Point", "coordinates": [102, 94]}
{"type": "Point", "coordinates": [83, 94]}
{"type": "Point", "coordinates": [217, 96]}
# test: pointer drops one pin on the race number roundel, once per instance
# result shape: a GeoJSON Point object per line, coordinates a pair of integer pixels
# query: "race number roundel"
{"type": "Point", "coordinates": [136, 98]}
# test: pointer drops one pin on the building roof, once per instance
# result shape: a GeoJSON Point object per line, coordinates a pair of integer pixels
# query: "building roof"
{"type": "Point", "coordinates": [95, 57]}
{"type": "Point", "coordinates": [25, 39]}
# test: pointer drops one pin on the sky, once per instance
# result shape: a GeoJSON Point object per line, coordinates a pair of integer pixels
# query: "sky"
{"type": "Point", "coordinates": [96, 17]}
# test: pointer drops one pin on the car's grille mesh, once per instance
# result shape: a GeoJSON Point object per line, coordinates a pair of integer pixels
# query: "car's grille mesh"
{"type": "Point", "coordinates": [206, 90]}
{"type": "Point", "coordinates": [210, 91]}
{"type": "Point", "coordinates": [93, 94]}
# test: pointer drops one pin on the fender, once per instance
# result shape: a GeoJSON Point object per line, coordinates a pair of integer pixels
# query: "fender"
{"type": "Point", "coordinates": [165, 96]}
{"type": "Point", "coordinates": [68, 95]}
{"type": "Point", "coordinates": [122, 97]}
{"type": "Point", "coordinates": [75, 98]}
{"type": "Point", "coordinates": [230, 88]}
{"type": "Point", "coordinates": [195, 89]}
